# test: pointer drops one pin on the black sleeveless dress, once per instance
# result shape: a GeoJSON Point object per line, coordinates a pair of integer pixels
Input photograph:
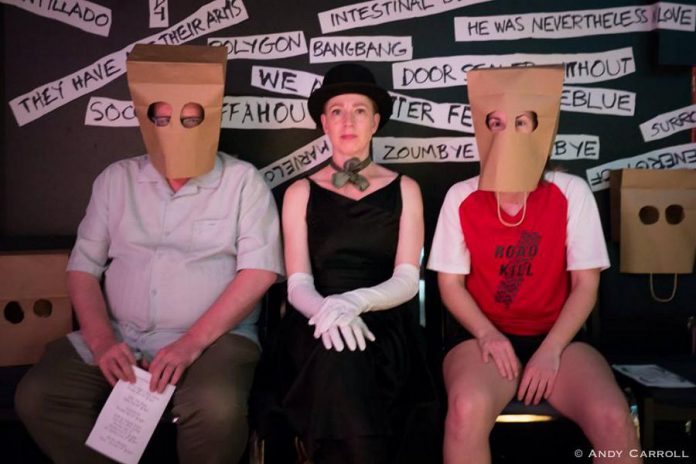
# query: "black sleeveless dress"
{"type": "Point", "coordinates": [328, 395]}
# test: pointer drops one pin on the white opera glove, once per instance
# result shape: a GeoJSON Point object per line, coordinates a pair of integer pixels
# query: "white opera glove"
{"type": "Point", "coordinates": [305, 298]}
{"type": "Point", "coordinates": [353, 334]}
{"type": "Point", "coordinates": [340, 310]}
{"type": "Point", "coordinates": [302, 294]}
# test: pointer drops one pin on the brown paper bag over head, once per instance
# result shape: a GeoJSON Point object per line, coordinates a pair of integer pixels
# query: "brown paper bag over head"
{"type": "Point", "coordinates": [654, 218]}
{"type": "Point", "coordinates": [185, 79]}
{"type": "Point", "coordinates": [512, 161]}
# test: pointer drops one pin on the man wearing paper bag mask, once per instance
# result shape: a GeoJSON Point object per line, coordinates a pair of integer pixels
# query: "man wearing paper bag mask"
{"type": "Point", "coordinates": [654, 218]}
{"type": "Point", "coordinates": [187, 241]}
{"type": "Point", "coordinates": [518, 254]}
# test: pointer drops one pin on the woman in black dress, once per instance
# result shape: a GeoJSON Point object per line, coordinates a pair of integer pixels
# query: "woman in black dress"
{"type": "Point", "coordinates": [346, 371]}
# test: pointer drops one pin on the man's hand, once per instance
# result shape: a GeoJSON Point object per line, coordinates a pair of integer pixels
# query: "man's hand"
{"type": "Point", "coordinates": [539, 376]}
{"type": "Point", "coordinates": [116, 362]}
{"type": "Point", "coordinates": [170, 362]}
{"type": "Point", "coordinates": [495, 345]}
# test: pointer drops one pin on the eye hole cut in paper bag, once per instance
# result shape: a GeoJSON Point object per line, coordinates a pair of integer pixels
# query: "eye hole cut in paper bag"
{"type": "Point", "coordinates": [179, 75]}
{"type": "Point", "coordinates": [653, 215]}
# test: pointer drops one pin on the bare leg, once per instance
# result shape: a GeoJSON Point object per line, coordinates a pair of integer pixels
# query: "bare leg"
{"type": "Point", "coordinates": [476, 393]}
{"type": "Point", "coordinates": [586, 392]}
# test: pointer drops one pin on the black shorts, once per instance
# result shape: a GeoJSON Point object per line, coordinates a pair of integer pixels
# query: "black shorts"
{"type": "Point", "coordinates": [524, 345]}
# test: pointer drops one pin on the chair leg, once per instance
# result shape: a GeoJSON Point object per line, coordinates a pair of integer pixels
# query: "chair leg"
{"type": "Point", "coordinates": [647, 426]}
{"type": "Point", "coordinates": [257, 448]}
{"type": "Point", "coordinates": [302, 457]}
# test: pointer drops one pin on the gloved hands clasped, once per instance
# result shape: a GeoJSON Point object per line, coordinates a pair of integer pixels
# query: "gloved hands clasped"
{"type": "Point", "coordinates": [336, 318]}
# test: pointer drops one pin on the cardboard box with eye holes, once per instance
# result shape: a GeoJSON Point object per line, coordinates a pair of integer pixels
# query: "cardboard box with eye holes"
{"type": "Point", "coordinates": [34, 303]}
{"type": "Point", "coordinates": [653, 216]}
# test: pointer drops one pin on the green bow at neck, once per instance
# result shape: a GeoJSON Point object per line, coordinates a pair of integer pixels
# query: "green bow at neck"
{"type": "Point", "coordinates": [349, 173]}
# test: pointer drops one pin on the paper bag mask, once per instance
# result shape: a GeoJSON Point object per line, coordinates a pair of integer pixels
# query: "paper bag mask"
{"type": "Point", "coordinates": [512, 161]}
{"type": "Point", "coordinates": [654, 218]}
{"type": "Point", "coordinates": [178, 76]}
{"type": "Point", "coordinates": [35, 304]}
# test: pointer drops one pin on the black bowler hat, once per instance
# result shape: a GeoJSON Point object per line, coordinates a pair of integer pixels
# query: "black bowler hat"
{"type": "Point", "coordinates": [350, 78]}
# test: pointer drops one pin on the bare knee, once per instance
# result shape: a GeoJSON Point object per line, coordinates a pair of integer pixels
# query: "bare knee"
{"type": "Point", "coordinates": [608, 418]}
{"type": "Point", "coordinates": [468, 410]}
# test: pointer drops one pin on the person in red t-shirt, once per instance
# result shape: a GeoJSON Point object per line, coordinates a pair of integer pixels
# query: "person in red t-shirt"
{"type": "Point", "coordinates": [518, 255]}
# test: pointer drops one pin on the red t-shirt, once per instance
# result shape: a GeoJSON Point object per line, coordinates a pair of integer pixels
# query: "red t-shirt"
{"type": "Point", "coordinates": [518, 274]}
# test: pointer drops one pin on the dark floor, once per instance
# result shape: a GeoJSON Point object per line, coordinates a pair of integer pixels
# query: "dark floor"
{"type": "Point", "coordinates": [558, 443]}
{"type": "Point", "coordinates": [17, 446]}
{"type": "Point", "coordinates": [554, 442]}
{"type": "Point", "coordinates": [544, 442]}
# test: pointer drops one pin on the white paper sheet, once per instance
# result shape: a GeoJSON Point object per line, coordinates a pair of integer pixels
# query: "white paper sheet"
{"type": "Point", "coordinates": [653, 375]}
{"type": "Point", "coordinates": [128, 419]}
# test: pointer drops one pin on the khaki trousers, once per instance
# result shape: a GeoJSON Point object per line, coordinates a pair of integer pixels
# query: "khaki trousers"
{"type": "Point", "coordinates": [60, 397]}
